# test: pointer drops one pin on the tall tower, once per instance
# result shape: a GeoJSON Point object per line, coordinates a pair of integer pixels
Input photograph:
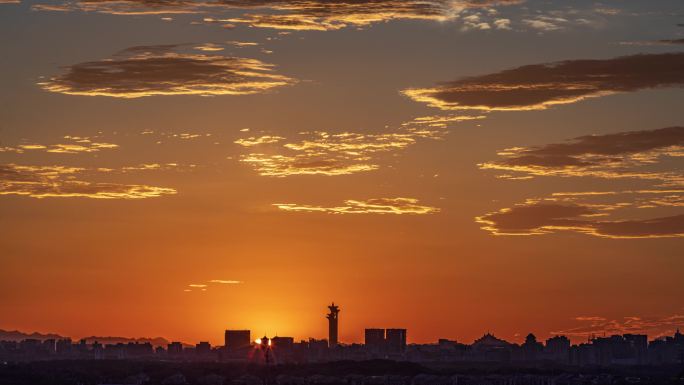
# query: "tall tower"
{"type": "Point", "coordinates": [332, 324]}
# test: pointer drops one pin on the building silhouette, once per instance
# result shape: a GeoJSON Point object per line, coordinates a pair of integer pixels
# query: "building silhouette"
{"type": "Point", "coordinates": [374, 340]}
{"type": "Point", "coordinates": [333, 317]}
{"type": "Point", "coordinates": [237, 339]}
{"type": "Point", "coordinates": [283, 343]}
{"type": "Point", "coordinates": [532, 349]}
{"type": "Point", "coordinates": [174, 349]}
{"type": "Point", "coordinates": [395, 341]}
{"type": "Point", "coordinates": [490, 348]}
{"type": "Point", "coordinates": [203, 348]}
{"type": "Point", "coordinates": [558, 349]}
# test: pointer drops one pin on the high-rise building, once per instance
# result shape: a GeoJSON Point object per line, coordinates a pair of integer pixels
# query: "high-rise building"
{"type": "Point", "coordinates": [203, 348]}
{"type": "Point", "coordinates": [639, 345]}
{"type": "Point", "coordinates": [237, 339]}
{"type": "Point", "coordinates": [375, 340]}
{"type": "Point", "coordinates": [558, 349]}
{"type": "Point", "coordinates": [395, 340]}
{"type": "Point", "coordinates": [175, 348]}
{"type": "Point", "coordinates": [283, 343]}
{"type": "Point", "coordinates": [333, 324]}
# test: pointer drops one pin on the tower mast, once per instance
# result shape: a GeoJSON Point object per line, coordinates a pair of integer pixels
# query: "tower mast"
{"type": "Point", "coordinates": [332, 325]}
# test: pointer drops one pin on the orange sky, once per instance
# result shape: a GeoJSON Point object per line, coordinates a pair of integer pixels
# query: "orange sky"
{"type": "Point", "coordinates": [425, 169]}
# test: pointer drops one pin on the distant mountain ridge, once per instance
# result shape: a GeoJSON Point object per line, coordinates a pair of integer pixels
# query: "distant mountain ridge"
{"type": "Point", "coordinates": [15, 335]}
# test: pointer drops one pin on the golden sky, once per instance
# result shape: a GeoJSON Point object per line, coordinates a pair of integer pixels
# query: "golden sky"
{"type": "Point", "coordinates": [453, 167]}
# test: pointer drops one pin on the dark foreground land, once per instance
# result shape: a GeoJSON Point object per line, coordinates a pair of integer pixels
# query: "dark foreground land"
{"type": "Point", "coordinates": [89, 372]}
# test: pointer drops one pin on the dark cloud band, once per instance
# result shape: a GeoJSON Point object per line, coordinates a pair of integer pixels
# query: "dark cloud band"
{"type": "Point", "coordinates": [584, 213]}
{"type": "Point", "coordinates": [620, 155]}
{"type": "Point", "coordinates": [539, 86]}
{"type": "Point", "coordinates": [149, 71]}
{"type": "Point", "coordinates": [289, 14]}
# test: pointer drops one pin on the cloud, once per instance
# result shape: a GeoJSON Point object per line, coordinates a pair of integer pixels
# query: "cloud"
{"type": "Point", "coordinates": [653, 326]}
{"type": "Point", "coordinates": [608, 11]}
{"type": "Point", "coordinates": [52, 7]}
{"type": "Point", "coordinates": [303, 164]}
{"type": "Point", "coordinates": [225, 282]}
{"type": "Point", "coordinates": [653, 42]}
{"type": "Point", "coordinates": [209, 47]}
{"type": "Point", "coordinates": [59, 182]}
{"type": "Point", "coordinates": [502, 24]}
{"type": "Point", "coordinates": [255, 141]}
{"type": "Point", "coordinates": [204, 287]}
{"type": "Point", "coordinates": [397, 206]}
{"type": "Point", "coordinates": [582, 213]}
{"type": "Point", "coordinates": [75, 145]}
{"type": "Point", "coordinates": [185, 136]}
{"type": "Point", "coordinates": [442, 121]}
{"type": "Point", "coordinates": [241, 44]}
{"type": "Point", "coordinates": [672, 41]}
{"type": "Point", "coordinates": [324, 153]}
{"type": "Point", "coordinates": [620, 155]}
{"type": "Point", "coordinates": [319, 15]}
{"type": "Point", "coordinates": [127, 7]}
{"type": "Point", "coordinates": [539, 86]}
{"type": "Point", "coordinates": [474, 21]}
{"type": "Point", "coordinates": [162, 70]}
{"type": "Point", "coordinates": [154, 167]}
{"type": "Point", "coordinates": [545, 23]}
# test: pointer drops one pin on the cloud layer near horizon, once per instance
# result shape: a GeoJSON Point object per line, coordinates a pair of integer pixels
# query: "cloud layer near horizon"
{"type": "Point", "coordinates": [539, 86]}
{"type": "Point", "coordinates": [163, 70]}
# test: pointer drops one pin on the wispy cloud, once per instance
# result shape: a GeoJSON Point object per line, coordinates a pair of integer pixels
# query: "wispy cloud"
{"type": "Point", "coordinates": [317, 15]}
{"type": "Point", "coordinates": [371, 206]}
{"type": "Point", "coordinates": [442, 121]}
{"type": "Point", "coordinates": [258, 140]}
{"type": "Point", "coordinates": [654, 326]}
{"type": "Point", "coordinates": [60, 182]}
{"type": "Point", "coordinates": [653, 42]}
{"type": "Point", "coordinates": [325, 153]}
{"type": "Point", "coordinates": [225, 282]}
{"type": "Point", "coordinates": [539, 86]}
{"type": "Point", "coordinates": [241, 44]}
{"type": "Point", "coordinates": [73, 145]}
{"type": "Point", "coordinates": [154, 167]}
{"type": "Point", "coordinates": [209, 47]}
{"type": "Point", "coordinates": [546, 23]}
{"type": "Point", "coordinates": [203, 287]}
{"type": "Point", "coordinates": [163, 70]}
